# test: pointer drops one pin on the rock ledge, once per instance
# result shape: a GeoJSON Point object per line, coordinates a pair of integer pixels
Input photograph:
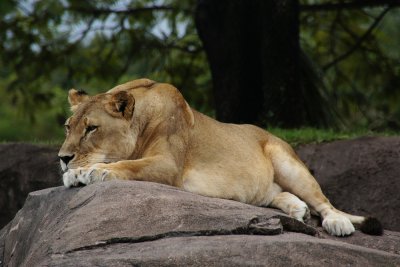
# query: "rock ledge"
{"type": "Point", "coordinates": [124, 223]}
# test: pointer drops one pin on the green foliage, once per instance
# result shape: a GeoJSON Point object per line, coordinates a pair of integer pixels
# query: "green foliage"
{"type": "Point", "coordinates": [358, 56]}
{"type": "Point", "coordinates": [48, 47]}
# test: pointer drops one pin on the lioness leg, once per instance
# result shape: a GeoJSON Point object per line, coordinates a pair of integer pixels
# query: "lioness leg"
{"type": "Point", "coordinates": [292, 175]}
{"type": "Point", "coordinates": [153, 169]}
{"type": "Point", "coordinates": [291, 205]}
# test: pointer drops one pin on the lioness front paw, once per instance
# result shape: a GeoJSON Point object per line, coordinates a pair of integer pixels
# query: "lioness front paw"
{"type": "Point", "coordinates": [338, 225]}
{"type": "Point", "coordinates": [87, 176]}
{"type": "Point", "coordinates": [70, 178]}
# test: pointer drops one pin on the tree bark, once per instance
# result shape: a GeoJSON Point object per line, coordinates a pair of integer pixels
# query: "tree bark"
{"type": "Point", "coordinates": [253, 52]}
{"type": "Point", "coordinates": [283, 97]}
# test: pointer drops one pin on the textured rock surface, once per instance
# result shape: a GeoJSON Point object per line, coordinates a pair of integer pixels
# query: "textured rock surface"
{"type": "Point", "coordinates": [284, 250]}
{"type": "Point", "coordinates": [24, 168]}
{"type": "Point", "coordinates": [360, 176]}
{"type": "Point", "coordinates": [122, 223]}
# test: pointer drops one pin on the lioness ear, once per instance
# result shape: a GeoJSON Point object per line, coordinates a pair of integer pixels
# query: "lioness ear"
{"type": "Point", "coordinates": [75, 97]}
{"type": "Point", "coordinates": [122, 103]}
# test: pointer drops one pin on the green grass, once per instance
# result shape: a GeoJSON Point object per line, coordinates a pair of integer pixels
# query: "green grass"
{"type": "Point", "coordinates": [301, 136]}
{"type": "Point", "coordinates": [295, 137]}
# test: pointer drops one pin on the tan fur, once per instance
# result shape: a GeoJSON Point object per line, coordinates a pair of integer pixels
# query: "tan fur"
{"type": "Point", "coordinates": [159, 138]}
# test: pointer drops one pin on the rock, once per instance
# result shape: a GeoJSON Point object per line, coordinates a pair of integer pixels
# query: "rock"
{"type": "Point", "coordinates": [24, 168]}
{"type": "Point", "coordinates": [3, 233]}
{"type": "Point", "coordinates": [284, 250]}
{"type": "Point", "coordinates": [359, 176]}
{"type": "Point", "coordinates": [125, 223]}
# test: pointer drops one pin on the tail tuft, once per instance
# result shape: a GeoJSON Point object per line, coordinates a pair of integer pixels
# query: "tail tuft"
{"type": "Point", "coordinates": [371, 226]}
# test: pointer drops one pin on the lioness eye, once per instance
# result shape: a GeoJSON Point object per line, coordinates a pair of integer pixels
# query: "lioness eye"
{"type": "Point", "coordinates": [66, 128]}
{"type": "Point", "coordinates": [91, 128]}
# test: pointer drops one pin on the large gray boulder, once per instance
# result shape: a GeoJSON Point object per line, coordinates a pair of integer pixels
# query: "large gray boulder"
{"type": "Point", "coordinates": [360, 176]}
{"type": "Point", "coordinates": [24, 168]}
{"type": "Point", "coordinates": [125, 223]}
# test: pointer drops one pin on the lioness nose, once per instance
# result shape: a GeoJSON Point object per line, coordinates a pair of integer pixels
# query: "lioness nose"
{"type": "Point", "coordinates": [66, 159]}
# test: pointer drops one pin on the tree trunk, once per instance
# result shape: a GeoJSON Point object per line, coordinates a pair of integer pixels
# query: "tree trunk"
{"type": "Point", "coordinates": [253, 52]}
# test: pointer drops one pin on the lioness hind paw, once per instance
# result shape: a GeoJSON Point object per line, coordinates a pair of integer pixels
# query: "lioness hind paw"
{"type": "Point", "coordinates": [338, 225]}
{"type": "Point", "coordinates": [300, 212]}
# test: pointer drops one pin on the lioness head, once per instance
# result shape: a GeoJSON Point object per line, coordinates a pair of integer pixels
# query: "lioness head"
{"type": "Point", "coordinates": [99, 130]}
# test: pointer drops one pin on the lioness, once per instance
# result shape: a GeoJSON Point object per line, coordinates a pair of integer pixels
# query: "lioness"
{"type": "Point", "coordinates": [143, 130]}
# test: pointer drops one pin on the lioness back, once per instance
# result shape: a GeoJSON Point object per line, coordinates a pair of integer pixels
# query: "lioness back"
{"type": "Point", "coordinates": [231, 158]}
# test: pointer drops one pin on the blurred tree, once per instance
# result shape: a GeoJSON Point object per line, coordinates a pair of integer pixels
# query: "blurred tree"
{"type": "Point", "coordinates": [95, 45]}
{"type": "Point", "coordinates": [350, 59]}
{"type": "Point", "coordinates": [355, 46]}
{"type": "Point", "coordinates": [254, 54]}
